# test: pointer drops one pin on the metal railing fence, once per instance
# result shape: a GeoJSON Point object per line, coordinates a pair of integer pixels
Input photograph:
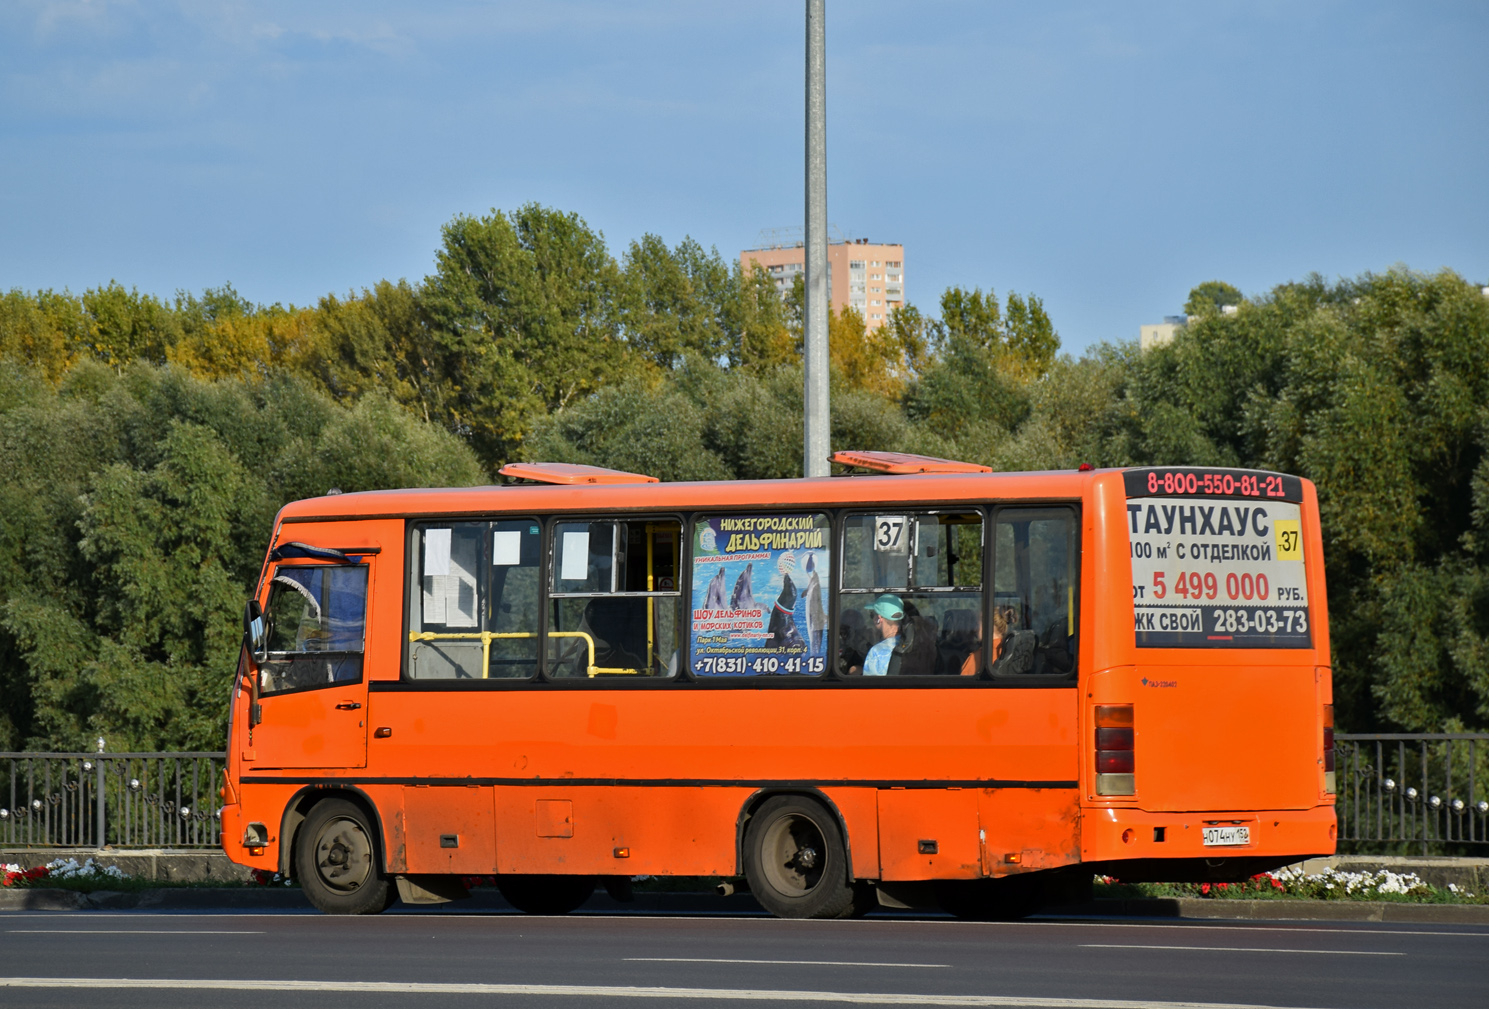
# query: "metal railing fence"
{"type": "Point", "coordinates": [129, 800]}
{"type": "Point", "coordinates": [1413, 793]}
{"type": "Point", "coordinates": [1397, 793]}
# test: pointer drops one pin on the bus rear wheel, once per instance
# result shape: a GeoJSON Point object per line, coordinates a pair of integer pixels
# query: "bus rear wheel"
{"type": "Point", "coordinates": [336, 861]}
{"type": "Point", "coordinates": [796, 861]}
{"type": "Point", "coordinates": [546, 894]}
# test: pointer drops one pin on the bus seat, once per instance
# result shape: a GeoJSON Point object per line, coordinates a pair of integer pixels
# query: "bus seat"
{"type": "Point", "coordinates": [915, 654]}
{"type": "Point", "coordinates": [960, 637]}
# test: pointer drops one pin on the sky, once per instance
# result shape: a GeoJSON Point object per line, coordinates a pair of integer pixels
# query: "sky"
{"type": "Point", "coordinates": [1105, 157]}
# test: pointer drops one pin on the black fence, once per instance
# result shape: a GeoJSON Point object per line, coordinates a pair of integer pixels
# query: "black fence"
{"type": "Point", "coordinates": [1398, 794]}
{"type": "Point", "coordinates": [1413, 794]}
{"type": "Point", "coordinates": [129, 800]}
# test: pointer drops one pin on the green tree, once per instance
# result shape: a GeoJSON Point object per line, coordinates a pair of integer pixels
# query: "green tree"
{"type": "Point", "coordinates": [134, 511]}
{"type": "Point", "coordinates": [525, 309]}
{"type": "Point", "coordinates": [672, 303]}
{"type": "Point", "coordinates": [1212, 296]}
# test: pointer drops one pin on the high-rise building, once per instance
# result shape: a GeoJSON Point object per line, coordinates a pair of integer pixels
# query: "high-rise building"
{"type": "Point", "coordinates": [866, 276]}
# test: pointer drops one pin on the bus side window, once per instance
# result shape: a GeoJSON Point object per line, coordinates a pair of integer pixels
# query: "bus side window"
{"type": "Point", "coordinates": [614, 598]}
{"type": "Point", "coordinates": [315, 622]}
{"type": "Point", "coordinates": [1034, 591]}
{"type": "Point", "coordinates": [926, 564]}
{"type": "Point", "coordinates": [473, 604]}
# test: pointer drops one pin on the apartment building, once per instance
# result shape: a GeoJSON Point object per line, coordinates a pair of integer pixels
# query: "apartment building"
{"type": "Point", "coordinates": [865, 275]}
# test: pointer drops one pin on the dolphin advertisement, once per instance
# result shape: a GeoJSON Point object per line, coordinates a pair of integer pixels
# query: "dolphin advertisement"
{"type": "Point", "coordinates": [760, 586]}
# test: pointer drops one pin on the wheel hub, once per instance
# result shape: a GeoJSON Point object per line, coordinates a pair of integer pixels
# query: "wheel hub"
{"type": "Point", "coordinates": [343, 855]}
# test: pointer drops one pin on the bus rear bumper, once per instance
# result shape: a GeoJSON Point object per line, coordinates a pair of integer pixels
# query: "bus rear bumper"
{"type": "Point", "coordinates": [1136, 845]}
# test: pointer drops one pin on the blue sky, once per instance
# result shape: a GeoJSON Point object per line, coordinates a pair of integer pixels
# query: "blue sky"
{"type": "Point", "coordinates": [1104, 156]}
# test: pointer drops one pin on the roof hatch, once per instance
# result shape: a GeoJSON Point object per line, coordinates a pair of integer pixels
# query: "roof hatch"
{"type": "Point", "coordinates": [899, 463]}
{"type": "Point", "coordinates": [571, 473]}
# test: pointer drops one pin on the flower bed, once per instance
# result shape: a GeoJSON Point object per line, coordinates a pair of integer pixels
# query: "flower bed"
{"type": "Point", "coordinates": [63, 870]}
{"type": "Point", "coordinates": [1330, 884]}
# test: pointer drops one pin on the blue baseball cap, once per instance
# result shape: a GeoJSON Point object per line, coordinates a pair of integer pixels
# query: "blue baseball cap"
{"type": "Point", "coordinates": [888, 606]}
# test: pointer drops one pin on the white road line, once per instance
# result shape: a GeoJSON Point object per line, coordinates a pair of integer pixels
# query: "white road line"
{"type": "Point", "coordinates": [1270, 925]}
{"type": "Point", "coordinates": [612, 991]}
{"type": "Point", "coordinates": [1236, 949]}
{"type": "Point", "coordinates": [137, 932]}
{"type": "Point", "coordinates": [810, 963]}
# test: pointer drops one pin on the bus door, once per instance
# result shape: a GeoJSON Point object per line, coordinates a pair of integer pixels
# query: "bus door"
{"type": "Point", "coordinates": [312, 693]}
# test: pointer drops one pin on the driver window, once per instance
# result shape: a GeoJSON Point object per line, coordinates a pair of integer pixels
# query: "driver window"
{"type": "Point", "coordinates": [315, 622]}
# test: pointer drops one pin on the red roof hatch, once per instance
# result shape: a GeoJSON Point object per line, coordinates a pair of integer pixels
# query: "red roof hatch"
{"type": "Point", "coordinates": [571, 473]}
{"type": "Point", "coordinates": [905, 462]}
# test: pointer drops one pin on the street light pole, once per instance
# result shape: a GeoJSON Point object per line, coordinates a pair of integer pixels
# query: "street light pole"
{"type": "Point", "coordinates": [818, 417]}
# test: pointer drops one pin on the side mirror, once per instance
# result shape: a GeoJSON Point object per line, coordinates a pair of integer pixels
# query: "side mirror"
{"type": "Point", "coordinates": [255, 634]}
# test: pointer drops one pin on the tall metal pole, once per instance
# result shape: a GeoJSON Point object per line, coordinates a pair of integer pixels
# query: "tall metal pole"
{"type": "Point", "coordinates": [818, 418]}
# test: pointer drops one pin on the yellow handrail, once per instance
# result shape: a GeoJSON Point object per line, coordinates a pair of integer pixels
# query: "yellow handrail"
{"type": "Point", "coordinates": [486, 637]}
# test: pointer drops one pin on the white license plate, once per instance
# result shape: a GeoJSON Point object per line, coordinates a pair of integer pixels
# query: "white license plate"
{"type": "Point", "coordinates": [1227, 835]}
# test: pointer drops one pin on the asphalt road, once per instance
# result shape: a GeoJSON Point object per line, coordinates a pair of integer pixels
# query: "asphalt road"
{"type": "Point", "coordinates": [452, 960]}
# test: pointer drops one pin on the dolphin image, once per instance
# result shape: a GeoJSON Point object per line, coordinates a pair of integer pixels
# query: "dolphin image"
{"type": "Point", "coordinates": [714, 600]}
{"type": "Point", "coordinates": [744, 591]}
{"type": "Point", "coordinates": [816, 615]}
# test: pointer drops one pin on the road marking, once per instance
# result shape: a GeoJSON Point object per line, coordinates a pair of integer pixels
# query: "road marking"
{"type": "Point", "coordinates": [1236, 949]}
{"type": "Point", "coordinates": [612, 991]}
{"type": "Point", "coordinates": [139, 932]}
{"type": "Point", "coordinates": [1274, 925]}
{"type": "Point", "coordinates": [810, 963]}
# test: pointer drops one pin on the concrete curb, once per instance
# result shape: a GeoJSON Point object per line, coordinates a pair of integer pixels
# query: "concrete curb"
{"type": "Point", "coordinates": [291, 899]}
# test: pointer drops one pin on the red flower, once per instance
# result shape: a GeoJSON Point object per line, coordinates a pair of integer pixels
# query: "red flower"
{"type": "Point", "coordinates": [1204, 888]}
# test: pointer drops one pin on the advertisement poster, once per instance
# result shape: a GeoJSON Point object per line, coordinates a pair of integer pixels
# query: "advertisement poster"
{"type": "Point", "coordinates": [760, 585]}
{"type": "Point", "coordinates": [1210, 573]}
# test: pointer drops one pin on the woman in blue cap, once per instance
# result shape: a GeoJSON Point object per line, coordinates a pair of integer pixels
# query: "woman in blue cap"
{"type": "Point", "coordinates": [887, 613]}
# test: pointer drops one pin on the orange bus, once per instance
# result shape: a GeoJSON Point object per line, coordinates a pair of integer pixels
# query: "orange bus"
{"type": "Point", "coordinates": [925, 683]}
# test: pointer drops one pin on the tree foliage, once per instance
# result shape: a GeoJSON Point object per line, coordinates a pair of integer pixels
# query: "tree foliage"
{"type": "Point", "coordinates": [145, 444]}
{"type": "Point", "coordinates": [134, 511]}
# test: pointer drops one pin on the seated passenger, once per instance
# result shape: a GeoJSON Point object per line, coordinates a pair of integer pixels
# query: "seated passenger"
{"type": "Point", "coordinates": [915, 652]}
{"type": "Point", "coordinates": [961, 642]}
{"type": "Point", "coordinates": [886, 613]}
{"type": "Point", "coordinates": [853, 637]}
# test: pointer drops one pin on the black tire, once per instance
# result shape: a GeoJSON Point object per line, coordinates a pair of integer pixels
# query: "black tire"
{"type": "Point", "coordinates": [546, 894]}
{"type": "Point", "coordinates": [336, 860]}
{"type": "Point", "coordinates": [865, 899]}
{"type": "Point", "coordinates": [795, 860]}
{"type": "Point", "coordinates": [1005, 899]}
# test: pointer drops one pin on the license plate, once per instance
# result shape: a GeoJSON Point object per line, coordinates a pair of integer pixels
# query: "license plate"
{"type": "Point", "coordinates": [1227, 835]}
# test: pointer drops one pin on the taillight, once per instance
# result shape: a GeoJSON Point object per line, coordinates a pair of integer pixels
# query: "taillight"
{"type": "Point", "coordinates": [1329, 748]}
{"type": "Point", "coordinates": [1114, 750]}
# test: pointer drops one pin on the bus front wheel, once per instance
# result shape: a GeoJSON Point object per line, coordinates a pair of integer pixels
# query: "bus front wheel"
{"type": "Point", "coordinates": [796, 861]}
{"type": "Point", "coordinates": [336, 861]}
